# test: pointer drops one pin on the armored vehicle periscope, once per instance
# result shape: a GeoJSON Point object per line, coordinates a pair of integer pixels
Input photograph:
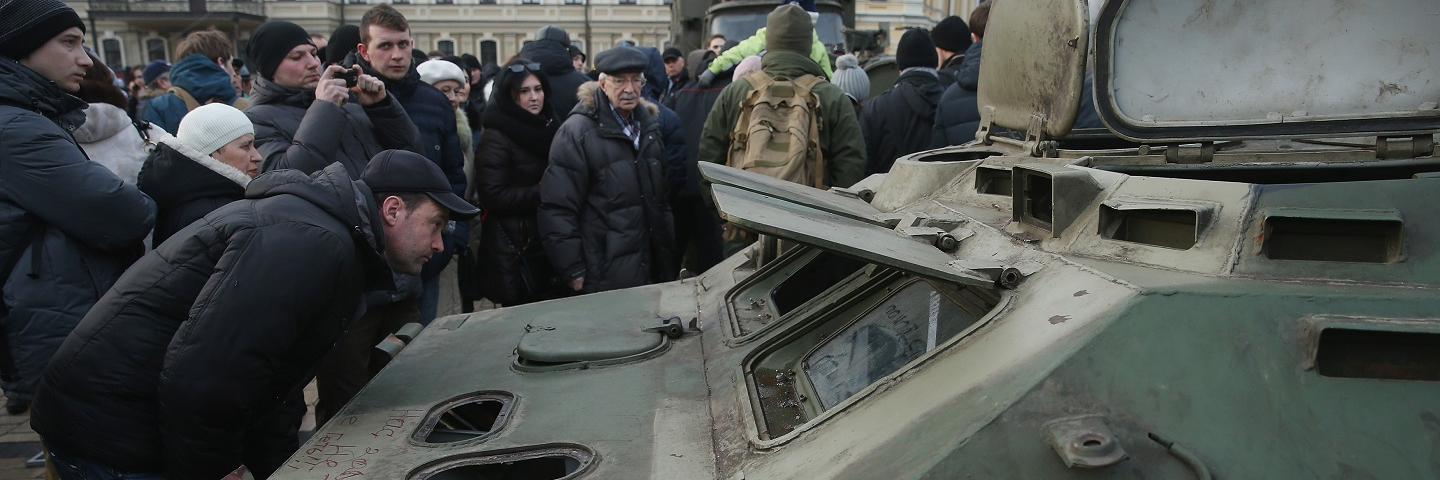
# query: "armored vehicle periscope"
{"type": "Point", "coordinates": [1244, 284]}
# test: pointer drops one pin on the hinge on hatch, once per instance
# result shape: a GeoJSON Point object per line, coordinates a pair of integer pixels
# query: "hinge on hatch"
{"type": "Point", "coordinates": [1034, 143]}
{"type": "Point", "coordinates": [1190, 153]}
{"type": "Point", "coordinates": [1399, 148]}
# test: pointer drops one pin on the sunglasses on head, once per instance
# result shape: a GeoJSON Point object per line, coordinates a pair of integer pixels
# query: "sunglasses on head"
{"type": "Point", "coordinates": [521, 67]}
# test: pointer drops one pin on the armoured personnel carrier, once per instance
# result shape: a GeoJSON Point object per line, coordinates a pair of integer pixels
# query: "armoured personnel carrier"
{"type": "Point", "coordinates": [1228, 292]}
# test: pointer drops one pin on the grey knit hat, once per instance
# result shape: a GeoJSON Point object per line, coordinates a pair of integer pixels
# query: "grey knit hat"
{"type": "Point", "coordinates": [25, 25]}
{"type": "Point", "coordinates": [212, 126]}
{"type": "Point", "coordinates": [850, 78]}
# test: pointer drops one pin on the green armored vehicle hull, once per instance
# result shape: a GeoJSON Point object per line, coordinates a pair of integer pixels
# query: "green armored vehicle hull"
{"type": "Point", "coordinates": [1245, 286]}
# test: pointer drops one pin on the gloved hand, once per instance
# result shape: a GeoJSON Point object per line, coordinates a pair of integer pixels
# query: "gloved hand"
{"type": "Point", "coordinates": [705, 78]}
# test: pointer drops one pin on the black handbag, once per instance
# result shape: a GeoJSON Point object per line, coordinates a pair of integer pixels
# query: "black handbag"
{"type": "Point", "coordinates": [536, 274]}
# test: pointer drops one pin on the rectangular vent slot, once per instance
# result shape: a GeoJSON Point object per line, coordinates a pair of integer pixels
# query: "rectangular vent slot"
{"type": "Point", "coordinates": [1036, 201]}
{"type": "Point", "coordinates": [1159, 227]}
{"type": "Point", "coordinates": [466, 421]}
{"type": "Point", "coordinates": [1332, 240]}
{"type": "Point", "coordinates": [1350, 353]}
{"type": "Point", "coordinates": [992, 181]}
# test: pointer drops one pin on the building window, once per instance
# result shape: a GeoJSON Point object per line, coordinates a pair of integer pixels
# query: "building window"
{"type": "Point", "coordinates": [487, 2]}
{"type": "Point", "coordinates": [627, 2]}
{"type": "Point", "coordinates": [356, 2]}
{"type": "Point", "coordinates": [401, 2]}
{"type": "Point", "coordinates": [110, 50]}
{"type": "Point", "coordinates": [155, 49]}
{"type": "Point", "coordinates": [530, 2]}
{"type": "Point", "coordinates": [574, 2]}
{"type": "Point", "coordinates": [446, 47]}
{"type": "Point", "coordinates": [487, 52]}
{"type": "Point", "coordinates": [444, 2]}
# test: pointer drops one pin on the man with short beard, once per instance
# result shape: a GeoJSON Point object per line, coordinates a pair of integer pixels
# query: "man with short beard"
{"type": "Point", "coordinates": [385, 52]}
{"type": "Point", "coordinates": [603, 214]}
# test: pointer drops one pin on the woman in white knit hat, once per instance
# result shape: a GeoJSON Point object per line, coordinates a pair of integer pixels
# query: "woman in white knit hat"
{"type": "Point", "coordinates": [205, 166]}
{"type": "Point", "coordinates": [447, 77]}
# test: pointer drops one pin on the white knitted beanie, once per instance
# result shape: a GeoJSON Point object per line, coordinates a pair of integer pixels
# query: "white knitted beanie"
{"type": "Point", "coordinates": [436, 70]}
{"type": "Point", "coordinates": [210, 127]}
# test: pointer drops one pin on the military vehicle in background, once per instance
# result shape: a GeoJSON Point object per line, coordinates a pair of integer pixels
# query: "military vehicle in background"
{"type": "Point", "coordinates": [695, 21]}
{"type": "Point", "coordinates": [1242, 282]}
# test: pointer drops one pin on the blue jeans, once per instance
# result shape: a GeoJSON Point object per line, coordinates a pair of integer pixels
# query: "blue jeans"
{"type": "Point", "coordinates": [71, 467]}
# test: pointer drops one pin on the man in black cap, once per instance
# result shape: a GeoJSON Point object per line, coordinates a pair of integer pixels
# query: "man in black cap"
{"type": "Point", "coordinates": [603, 212]}
{"type": "Point", "coordinates": [68, 226]}
{"type": "Point", "coordinates": [675, 73]}
{"type": "Point", "coordinates": [952, 38]}
{"type": "Point", "coordinates": [899, 121]}
{"type": "Point", "coordinates": [195, 363]}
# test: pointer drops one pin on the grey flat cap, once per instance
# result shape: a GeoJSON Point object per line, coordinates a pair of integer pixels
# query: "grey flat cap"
{"type": "Point", "coordinates": [621, 60]}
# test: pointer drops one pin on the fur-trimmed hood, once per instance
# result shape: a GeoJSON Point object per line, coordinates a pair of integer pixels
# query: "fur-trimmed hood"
{"type": "Point", "coordinates": [587, 101]}
{"type": "Point", "coordinates": [210, 163]}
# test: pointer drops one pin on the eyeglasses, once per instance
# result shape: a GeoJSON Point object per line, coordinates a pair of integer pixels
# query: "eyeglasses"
{"type": "Point", "coordinates": [622, 82]}
{"type": "Point", "coordinates": [521, 67]}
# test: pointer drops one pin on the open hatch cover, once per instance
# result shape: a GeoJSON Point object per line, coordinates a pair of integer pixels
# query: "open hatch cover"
{"type": "Point", "coordinates": [1179, 70]}
{"type": "Point", "coordinates": [806, 215]}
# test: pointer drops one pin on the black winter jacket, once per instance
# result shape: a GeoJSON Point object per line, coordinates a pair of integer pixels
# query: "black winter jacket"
{"type": "Point", "coordinates": [565, 80]}
{"type": "Point", "coordinates": [193, 364]}
{"type": "Point", "coordinates": [67, 224]}
{"type": "Point", "coordinates": [899, 121]}
{"type": "Point", "coordinates": [693, 103]}
{"type": "Point", "coordinates": [950, 71]}
{"type": "Point", "coordinates": [603, 214]}
{"type": "Point", "coordinates": [510, 161]}
{"type": "Point", "coordinates": [186, 185]}
{"type": "Point", "coordinates": [434, 118]}
{"type": "Point", "coordinates": [957, 116]}
{"type": "Point", "coordinates": [292, 130]}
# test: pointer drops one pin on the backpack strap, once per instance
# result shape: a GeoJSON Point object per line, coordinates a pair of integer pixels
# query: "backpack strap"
{"type": "Point", "coordinates": [144, 128]}
{"type": "Point", "coordinates": [190, 103]}
{"type": "Point", "coordinates": [758, 80]}
{"type": "Point", "coordinates": [808, 83]}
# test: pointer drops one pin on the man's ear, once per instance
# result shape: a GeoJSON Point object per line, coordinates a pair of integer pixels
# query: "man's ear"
{"type": "Point", "coordinates": [364, 52]}
{"type": "Point", "coordinates": [391, 209]}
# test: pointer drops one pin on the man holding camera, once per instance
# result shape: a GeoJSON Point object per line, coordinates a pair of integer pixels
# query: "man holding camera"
{"type": "Point", "coordinates": [304, 115]}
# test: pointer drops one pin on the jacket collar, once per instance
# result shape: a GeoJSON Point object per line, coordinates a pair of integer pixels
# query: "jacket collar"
{"type": "Point", "coordinates": [25, 88]}
{"type": "Point", "coordinates": [782, 63]}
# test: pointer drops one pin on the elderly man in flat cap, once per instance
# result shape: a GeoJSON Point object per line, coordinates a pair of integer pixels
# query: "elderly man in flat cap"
{"type": "Point", "coordinates": [603, 215]}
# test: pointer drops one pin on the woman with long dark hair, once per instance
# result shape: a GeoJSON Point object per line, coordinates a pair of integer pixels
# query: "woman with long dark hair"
{"type": "Point", "coordinates": [514, 148]}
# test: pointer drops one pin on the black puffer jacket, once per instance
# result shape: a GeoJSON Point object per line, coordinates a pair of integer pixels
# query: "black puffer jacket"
{"type": "Point", "coordinates": [899, 122]}
{"type": "Point", "coordinates": [186, 185]}
{"type": "Point", "coordinates": [69, 225]}
{"type": "Point", "coordinates": [554, 59]}
{"type": "Point", "coordinates": [603, 213]}
{"type": "Point", "coordinates": [693, 103]}
{"type": "Point", "coordinates": [510, 161]}
{"type": "Point", "coordinates": [292, 130]}
{"type": "Point", "coordinates": [185, 365]}
{"type": "Point", "coordinates": [957, 117]}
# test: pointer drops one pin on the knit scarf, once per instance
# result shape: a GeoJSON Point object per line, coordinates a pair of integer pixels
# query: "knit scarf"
{"type": "Point", "coordinates": [531, 132]}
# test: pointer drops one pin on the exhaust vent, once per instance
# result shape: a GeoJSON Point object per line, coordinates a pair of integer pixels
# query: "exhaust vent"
{"type": "Point", "coordinates": [1050, 197]}
{"type": "Point", "coordinates": [542, 462]}
{"type": "Point", "coordinates": [1161, 225]}
{"type": "Point", "coordinates": [467, 417]}
{"type": "Point", "coordinates": [1377, 354]}
{"type": "Point", "coordinates": [1358, 237]}
{"type": "Point", "coordinates": [992, 181]}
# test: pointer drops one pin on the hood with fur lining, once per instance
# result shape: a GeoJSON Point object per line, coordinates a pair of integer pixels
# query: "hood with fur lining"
{"type": "Point", "coordinates": [587, 100]}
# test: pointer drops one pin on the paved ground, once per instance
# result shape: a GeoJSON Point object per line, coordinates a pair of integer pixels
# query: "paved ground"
{"type": "Point", "coordinates": [18, 442]}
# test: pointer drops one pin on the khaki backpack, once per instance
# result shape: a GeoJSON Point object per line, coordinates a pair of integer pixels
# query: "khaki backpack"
{"type": "Point", "coordinates": [778, 132]}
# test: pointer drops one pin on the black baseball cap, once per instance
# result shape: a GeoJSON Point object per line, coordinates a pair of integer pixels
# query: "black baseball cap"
{"type": "Point", "coordinates": [399, 171]}
{"type": "Point", "coordinates": [672, 52]}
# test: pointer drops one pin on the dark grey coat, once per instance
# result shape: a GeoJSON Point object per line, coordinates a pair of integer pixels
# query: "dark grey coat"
{"type": "Point", "coordinates": [73, 224]}
{"type": "Point", "coordinates": [603, 213]}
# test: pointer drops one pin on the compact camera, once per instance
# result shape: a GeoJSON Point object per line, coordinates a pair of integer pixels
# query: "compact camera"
{"type": "Point", "coordinates": [351, 75]}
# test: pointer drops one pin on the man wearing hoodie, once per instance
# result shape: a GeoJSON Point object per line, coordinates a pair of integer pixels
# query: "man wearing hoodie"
{"type": "Point", "coordinates": [787, 47]}
{"type": "Point", "coordinates": [68, 226]}
{"type": "Point", "coordinates": [386, 52]}
{"type": "Point", "coordinates": [551, 49]}
{"type": "Point", "coordinates": [899, 121]}
{"type": "Point", "coordinates": [203, 75]}
{"type": "Point", "coordinates": [196, 362]}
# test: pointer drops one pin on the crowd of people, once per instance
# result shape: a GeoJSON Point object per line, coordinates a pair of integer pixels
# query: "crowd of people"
{"type": "Point", "coordinates": [183, 247]}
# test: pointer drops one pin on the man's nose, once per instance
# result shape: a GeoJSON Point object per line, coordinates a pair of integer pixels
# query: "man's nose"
{"type": "Point", "coordinates": [437, 243]}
